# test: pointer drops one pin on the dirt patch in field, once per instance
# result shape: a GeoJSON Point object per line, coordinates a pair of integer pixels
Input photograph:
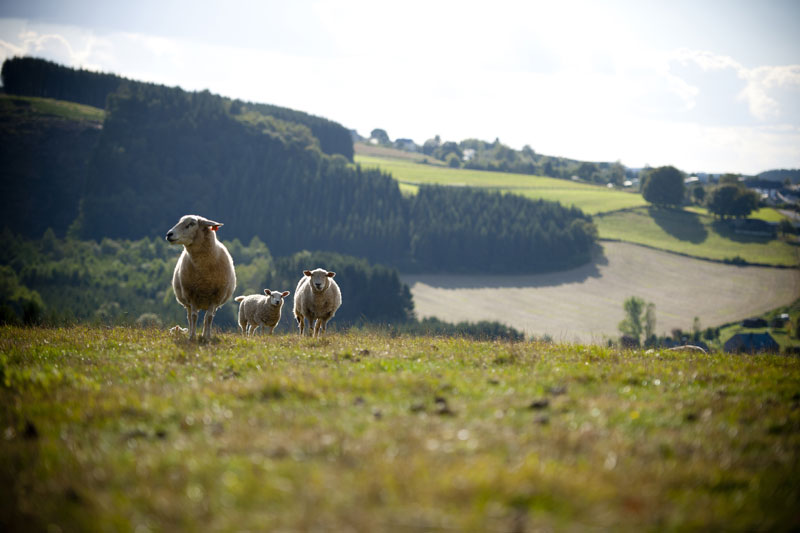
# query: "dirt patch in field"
{"type": "Point", "coordinates": [585, 304]}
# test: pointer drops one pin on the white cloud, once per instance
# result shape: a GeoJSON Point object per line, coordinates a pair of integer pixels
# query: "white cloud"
{"type": "Point", "coordinates": [760, 81]}
{"type": "Point", "coordinates": [587, 93]}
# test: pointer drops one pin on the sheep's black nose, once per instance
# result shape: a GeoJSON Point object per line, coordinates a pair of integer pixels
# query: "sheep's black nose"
{"type": "Point", "coordinates": [169, 235]}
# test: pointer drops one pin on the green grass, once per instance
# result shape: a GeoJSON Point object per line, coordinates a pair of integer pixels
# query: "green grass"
{"type": "Point", "coordinates": [693, 234]}
{"type": "Point", "coordinates": [47, 106]}
{"type": "Point", "coordinates": [125, 429]}
{"type": "Point", "coordinates": [768, 214]}
{"type": "Point", "coordinates": [591, 199]}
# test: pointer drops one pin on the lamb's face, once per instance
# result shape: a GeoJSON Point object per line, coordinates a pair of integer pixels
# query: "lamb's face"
{"type": "Point", "coordinates": [275, 298]}
{"type": "Point", "coordinates": [320, 278]}
{"type": "Point", "coordinates": [185, 231]}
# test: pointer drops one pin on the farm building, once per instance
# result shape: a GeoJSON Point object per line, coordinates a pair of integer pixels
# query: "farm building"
{"type": "Point", "coordinates": [751, 343]}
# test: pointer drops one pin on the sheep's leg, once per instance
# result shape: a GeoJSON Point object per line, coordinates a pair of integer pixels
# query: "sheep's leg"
{"type": "Point", "coordinates": [243, 326]}
{"type": "Point", "coordinates": [207, 320]}
{"type": "Point", "coordinates": [272, 330]}
{"type": "Point", "coordinates": [191, 316]}
{"type": "Point", "coordinates": [301, 323]}
{"type": "Point", "coordinates": [317, 326]}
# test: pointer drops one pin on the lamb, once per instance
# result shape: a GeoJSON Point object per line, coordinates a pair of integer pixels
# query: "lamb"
{"type": "Point", "coordinates": [256, 310]}
{"type": "Point", "coordinates": [204, 277]}
{"type": "Point", "coordinates": [316, 298]}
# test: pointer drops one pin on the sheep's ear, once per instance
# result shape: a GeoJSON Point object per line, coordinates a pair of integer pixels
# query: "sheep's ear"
{"type": "Point", "coordinates": [307, 272]}
{"type": "Point", "coordinates": [267, 292]}
{"type": "Point", "coordinates": [213, 226]}
{"type": "Point", "coordinates": [284, 294]}
{"type": "Point", "coordinates": [331, 274]}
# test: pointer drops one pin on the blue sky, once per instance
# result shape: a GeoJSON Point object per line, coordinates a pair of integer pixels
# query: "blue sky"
{"type": "Point", "coordinates": [708, 85]}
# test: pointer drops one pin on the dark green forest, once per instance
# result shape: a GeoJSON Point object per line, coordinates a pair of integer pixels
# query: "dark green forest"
{"type": "Point", "coordinates": [163, 152]}
{"type": "Point", "coordinates": [52, 281]}
{"type": "Point", "coordinates": [57, 281]}
{"type": "Point", "coordinates": [28, 76]}
{"type": "Point", "coordinates": [89, 193]}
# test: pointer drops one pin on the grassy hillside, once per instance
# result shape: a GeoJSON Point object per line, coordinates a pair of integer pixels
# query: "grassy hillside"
{"type": "Point", "coordinates": [619, 215]}
{"type": "Point", "coordinates": [122, 429]}
{"type": "Point", "coordinates": [693, 234]}
{"type": "Point", "coordinates": [591, 199]}
{"type": "Point", "coordinates": [22, 105]}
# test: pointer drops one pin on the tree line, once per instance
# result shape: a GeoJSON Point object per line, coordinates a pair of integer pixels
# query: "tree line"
{"type": "Point", "coordinates": [164, 152]}
{"type": "Point", "coordinates": [476, 154]}
{"type": "Point", "coordinates": [730, 197]}
{"type": "Point", "coordinates": [31, 76]}
{"type": "Point", "coordinates": [55, 281]}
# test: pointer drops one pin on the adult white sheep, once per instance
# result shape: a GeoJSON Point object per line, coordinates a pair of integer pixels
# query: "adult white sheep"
{"type": "Point", "coordinates": [316, 298]}
{"type": "Point", "coordinates": [204, 277]}
{"type": "Point", "coordinates": [260, 310]}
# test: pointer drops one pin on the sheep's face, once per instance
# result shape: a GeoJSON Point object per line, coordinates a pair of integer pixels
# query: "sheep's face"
{"type": "Point", "coordinates": [187, 228]}
{"type": "Point", "coordinates": [320, 279]}
{"type": "Point", "coordinates": [275, 298]}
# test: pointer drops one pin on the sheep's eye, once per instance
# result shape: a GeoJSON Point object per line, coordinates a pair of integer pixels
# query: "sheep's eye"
{"type": "Point", "coordinates": [190, 224]}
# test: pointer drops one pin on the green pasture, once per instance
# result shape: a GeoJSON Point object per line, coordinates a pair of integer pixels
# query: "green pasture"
{"type": "Point", "coordinates": [693, 234]}
{"type": "Point", "coordinates": [46, 106]}
{"type": "Point", "coordinates": [591, 199]}
{"type": "Point", "coordinates": [135, 430]}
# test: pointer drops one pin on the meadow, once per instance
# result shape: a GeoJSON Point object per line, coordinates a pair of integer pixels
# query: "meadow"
{"type": "Point", "coordinates": [619, 215]}
{"type": "Point", "coordinates": [592, 199]}
{"type": "Point", "coordinates": [134, 430]}
{"type": "Point", "coordinates": [48, 106]}
{"type": "Point", "coordinates": [694, 234]}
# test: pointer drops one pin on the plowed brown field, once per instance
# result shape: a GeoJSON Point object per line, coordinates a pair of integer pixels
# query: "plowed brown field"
{"type": "Point", "coordinates": [585, 304]}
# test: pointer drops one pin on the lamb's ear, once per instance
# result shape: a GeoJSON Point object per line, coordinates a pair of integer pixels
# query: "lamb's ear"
{"type": "Point", "coordinates": [307, 272]}
{"type": "Point", "coordinates": [213, 226]}
{"type": "Point", "coordinates": [284, 294]}
{"type": "Point", "coordinates": [267, 292]}
{"type": "Point", "coordinates": [331, 274]}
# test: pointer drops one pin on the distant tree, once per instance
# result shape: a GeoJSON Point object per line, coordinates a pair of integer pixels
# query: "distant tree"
{"type": "Point", "coordinates": [663, 186]}
{"type": "Point", "coordinates": [430, 146]}
{"type": "Point", "coordinates": [785, 226]}
{"type": "Point", "coordinates": [452, 160]}
{"type": "Point", "coordinates": [732, 200]}
{"type": "Point", "coordinates": [616, 173]}
{"type": "Point", "coordinates": [729, 179]}
{"type": "Point", "coordinates": [586, 171]}
{"type": "Point", "coordinates": [443, 151]}
{"type": "Point", "coordinates": [746, 202]}
{"type": "Point", "coordinates": [698, 194]}
{"type": "Point", "coordinates": [632, 326]}
{"type": "Point", "coordinates": [381, 136]}
{"type": "Point", "coordinates": [650, 320]}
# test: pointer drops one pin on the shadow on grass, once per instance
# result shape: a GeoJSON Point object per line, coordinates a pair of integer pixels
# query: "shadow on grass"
{"type": "Point", "coordinates": [578, 274]}
{"type": "Point", "coordinates": [727, 229]}
{"type": "Point", "coordinates": [683, 225]}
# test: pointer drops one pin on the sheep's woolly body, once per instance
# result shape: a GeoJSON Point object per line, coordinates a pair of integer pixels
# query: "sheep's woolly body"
{"type": "Point", "coordinates": [317, 299]}
{"type": "Point", "coordinates": [259, 310]}
{"type": "Point", "coordinates": [204, 277]}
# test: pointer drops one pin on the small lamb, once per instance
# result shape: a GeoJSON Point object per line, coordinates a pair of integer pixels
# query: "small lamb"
{"type": "Point", "coordinates": [204, 277]}
{"type": "Point", "coordinates": [256, 310]}
{"type": "Point", "coordinates": [316, 298]}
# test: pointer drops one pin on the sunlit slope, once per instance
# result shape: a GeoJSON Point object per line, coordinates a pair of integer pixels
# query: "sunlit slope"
{"type": "Point", "coordinates": [592, 199]}
{"type": "Point", "coordinates": [108, 429]}
{"type": "Point", "coordinates": [693, 234]}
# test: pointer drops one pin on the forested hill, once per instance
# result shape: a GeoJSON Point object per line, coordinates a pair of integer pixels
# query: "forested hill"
{"type": "Point", "coordinates": [28, 76]}
{"type": "Point", "coordinates": [164, 152]}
